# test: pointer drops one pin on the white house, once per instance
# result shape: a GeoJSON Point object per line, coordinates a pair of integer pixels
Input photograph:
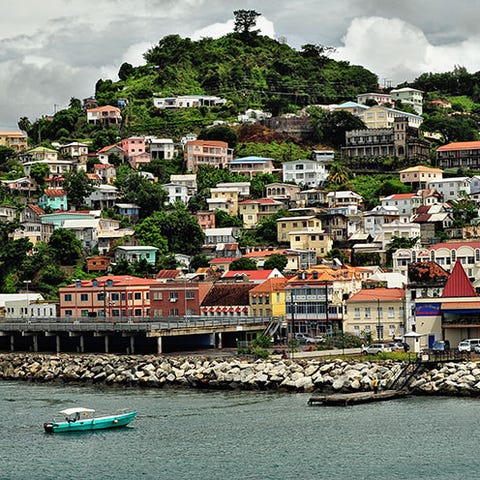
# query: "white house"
{"type": "Point", "coordinates": [451, 188]}
{"type": "Point", "coordinates": [407, 204]}
{"type": "Point", "coordinates": [188, 101]}
{"type": "Point", "coordinates": [160, 148]}
{"type": "Point", "coordinates": [176, 193]}
{"type": "Point", "coordinates": [375, 219]}
{"type": "Point", "coordinates": [305, 172]}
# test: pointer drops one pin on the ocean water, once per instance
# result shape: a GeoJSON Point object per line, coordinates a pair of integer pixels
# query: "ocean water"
{"type": "Point", "coordinates": [187, 434]}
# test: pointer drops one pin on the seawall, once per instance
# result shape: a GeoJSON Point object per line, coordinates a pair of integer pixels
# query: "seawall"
{"type": "Point", "coordinates": [312, 375]}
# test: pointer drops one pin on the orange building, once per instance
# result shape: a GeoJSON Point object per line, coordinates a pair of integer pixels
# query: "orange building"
{"type": "Point", "coordinates": [114, 296]}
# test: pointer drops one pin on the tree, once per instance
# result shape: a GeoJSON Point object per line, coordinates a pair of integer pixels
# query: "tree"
{"type": "Point", "coordinates": [150, 197]}
{"type": "Point", "coordinates": [224, 220]}
{"type": "Point", "coordinates": [245, 20]}
{"type": "Point", "coordinates": [126, 69]}
{"type": "Point", "coordinates": [78, 186]}
{"type": "Point", "coordinates": [338, 175]}
{"type": "Point", "coordinates": [39, 172]}
{"type": "Point", "coordinates": [178, 227]}
{"type": "Point", "coordinates": [221, 133]}
{"type": "Point", "coordinates": [65, 247]}
{"type": "Point", "coordinates": [465, 211]}
{"type": "Point", "coordinates": [277, 261]}
{"type": "Point", "coordinates": [243, 264]}
{"type": "Point", "coordinates": [199, 261]}
{"type": "Point", "coordinates": [24, 124]}
{"type": "Point", "coordinates": [149, 232]}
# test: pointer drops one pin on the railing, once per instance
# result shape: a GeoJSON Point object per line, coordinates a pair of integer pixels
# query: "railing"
{"type": "Point", "coordinates": [122, 324]}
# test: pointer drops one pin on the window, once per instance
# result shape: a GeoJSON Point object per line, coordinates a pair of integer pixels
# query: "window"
{"type": "Point", "coordinates": [190, 295]}
{"type": "Point", "coordinates": [367, 312]}
{"type": "Point", "coordinates": [138, 295]}
{"type": "Point", "coordinates": [158, 295]}
{"type": "Point", "coordinates": [391, 312]}
{"type": "Point", "coordinates": [357, 312]}
{"type": "Point", "coordinates": [356, 330]}
{"type": "Point", "coordinates": [115, 296]}
{"type": "Point", "coordinates": [68, 297]}
{"type": "Point", "coordinates": [84, 297]}
{"type": "Point", "coordinates": [174, 312]}
{"type": "Point", "coordinates": [68, 313]}
{"type": "Point", "coordinates": [115, 313]}
{"type": "Point", "coordinates": [130, 296]}
{"type": "Point", "coordinates": [173, 296]}
{"type": "Point", "coordinates": [138, 312]}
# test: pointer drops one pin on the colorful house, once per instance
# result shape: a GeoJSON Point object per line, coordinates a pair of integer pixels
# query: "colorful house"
{"type": "Point", "coordinates": [56, 199]}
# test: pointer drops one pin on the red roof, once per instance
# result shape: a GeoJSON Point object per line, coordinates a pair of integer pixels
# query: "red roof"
{"type": "Point", "coordinates": [102, 166]}
{"type": "Point", "coordinates": [458, 284]}
{"type": "Point", "coordinates": [168, 274]}
{"type": "Point", "coordinates": [222, 260]}
{"type": "Point", "coordinates": [455, 245]}
{"type": "Point", "coordinates": [401, 196]}
{"type": "Point", "coordinates": [459, 146]}
{"type": "Point", "coordinates": [261, 201]}
{"type": "Point", "coordinates": [251, 274]}
{"type": "Point", "coordinates": [375, 294]}
{"type": "Point", "coordinates": [36, 209]}
{"type": "Point", "coordinates": [55, 192]}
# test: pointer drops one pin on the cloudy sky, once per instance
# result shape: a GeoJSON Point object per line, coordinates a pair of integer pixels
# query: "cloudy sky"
{"type": "Point", "coordinates": [53, 50]}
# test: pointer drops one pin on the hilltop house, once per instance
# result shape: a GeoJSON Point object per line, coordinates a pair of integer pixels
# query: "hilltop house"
{"type": "Point", "coordinates": [105, 115]}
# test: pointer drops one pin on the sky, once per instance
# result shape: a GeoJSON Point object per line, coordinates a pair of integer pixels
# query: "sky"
{"type": "Point", "coordinates": [53, 50]}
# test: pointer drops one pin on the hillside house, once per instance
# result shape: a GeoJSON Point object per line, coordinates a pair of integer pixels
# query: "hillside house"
{"type": "Point", "coordinates": [105, 115]}
{"type": "Point", "coordinates": [211, 153]}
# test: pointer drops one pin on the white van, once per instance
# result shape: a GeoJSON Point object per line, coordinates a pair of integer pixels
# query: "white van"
{"type": "Point", "coordinates": [468, 345]}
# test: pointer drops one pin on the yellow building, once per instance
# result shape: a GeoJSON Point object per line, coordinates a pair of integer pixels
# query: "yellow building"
{"type": "Point", "coordinates": [254, 211]}
{"type": "Point", "coordinates": [224, 198]}
{"type": "Point", "coordinates": [15, 140]}
{"type": "Point", "coordinates": [311, 239]}
{"type": "Point", "coordinates": [377, 311]}
{"type": "Point", "coordinates": [268, 298]}
{"type": "Point", "coordinates": [285, 225]}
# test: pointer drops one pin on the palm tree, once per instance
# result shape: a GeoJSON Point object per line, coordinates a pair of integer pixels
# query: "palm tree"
{"type": "Point", "coordinates": [338, 175]}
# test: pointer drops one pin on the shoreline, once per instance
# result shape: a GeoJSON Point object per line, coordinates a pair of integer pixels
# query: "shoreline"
{"type": "Point", "coordinates": [237, 373]}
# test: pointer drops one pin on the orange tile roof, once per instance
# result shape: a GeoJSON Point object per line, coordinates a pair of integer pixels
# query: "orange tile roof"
{"type": "Point", "coordinates": [102, 166]}
{"type": "Point", "coordinates": [214, 143]}
{"type": "Point", "coordinates": [265, 253]}
{"type": "Point", "coordinates": [271, 285]}
{"type": "Point", "coordinates": [55, 192]}
{"type": "Point", "coordinates": [104, 108]}
{"type": "Point", "coordinates": [374, 294]}
{"type": "Point", "coordinates": [38, 210]}
{"type": "Point", "coordinates": [400, 196]}
{"type": "Point", "coordinates": [459, 146]}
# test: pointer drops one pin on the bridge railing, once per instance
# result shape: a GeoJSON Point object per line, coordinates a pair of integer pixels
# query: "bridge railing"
{"type": "Point", "coordinates": [144, 324]}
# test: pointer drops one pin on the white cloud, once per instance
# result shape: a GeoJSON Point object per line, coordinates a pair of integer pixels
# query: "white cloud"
{"type": "Point", "coordinates": [399, 51]}
{"type": "Point", "coordinates": [217, 30]}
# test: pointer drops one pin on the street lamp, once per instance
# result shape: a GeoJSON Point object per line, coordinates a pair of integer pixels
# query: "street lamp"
{"type": "Point", "coordinates": [379, 327]}
{"type": "Point", "coordinates": [292, 343]}
{"type": "Point", "coordinates": [27, 283]}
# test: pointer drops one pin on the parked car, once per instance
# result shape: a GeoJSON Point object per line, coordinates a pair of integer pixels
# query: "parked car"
{"type": "Point", "coordinates": [396, 346]}
{"type": "Point", "coordinates": [441, 346]}
{"type": "Point", "coordinates": [468, 345]}
{"type": "Point", "coordinates": [477, 349]}
{"type": "Point", "coordinates": [376, 348]}
{"type": "Point", "coordinates": [307, 339]}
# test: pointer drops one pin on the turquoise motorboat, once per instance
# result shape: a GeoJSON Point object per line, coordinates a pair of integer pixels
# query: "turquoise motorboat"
{"type": "Point", "coordinates": [81, 419]}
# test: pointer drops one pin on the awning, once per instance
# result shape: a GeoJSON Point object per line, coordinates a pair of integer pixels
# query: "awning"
{"type": "Point", "coordinates": [204, 309]}
{"type": "Point", "coordinates": [457, 306]}
{"type": "Point", "coordinates": [225, 309]}
{"type": "Point", "coordinates": [231, 309]}
{"type": "Point", "coordinates": [245, 309]}
{"type": "Point", "coordinates": [238, 309]}
{"type": "Point", "coordinates": [212, 309]}
{"type": "Point", "coordinates": [219, 309]}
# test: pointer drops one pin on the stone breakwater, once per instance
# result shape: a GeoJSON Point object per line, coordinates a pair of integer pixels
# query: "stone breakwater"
{"type": "Point", "coordinates": [236, 373]}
